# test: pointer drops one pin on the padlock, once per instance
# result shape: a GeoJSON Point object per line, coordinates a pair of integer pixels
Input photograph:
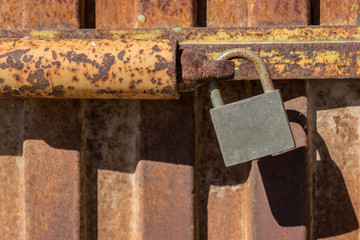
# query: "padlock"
{"type": "Point", "coordinates": [254, 127]}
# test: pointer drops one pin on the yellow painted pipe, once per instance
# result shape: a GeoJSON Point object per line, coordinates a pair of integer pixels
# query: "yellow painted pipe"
{"type": "Point", "coordinates": [76, 68]}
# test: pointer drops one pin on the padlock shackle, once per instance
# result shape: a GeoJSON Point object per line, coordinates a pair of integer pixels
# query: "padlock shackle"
{"type": "Point", "coordinates": [252, 57]}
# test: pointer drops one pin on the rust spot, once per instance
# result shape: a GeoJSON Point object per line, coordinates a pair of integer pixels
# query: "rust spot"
{"type": "Point", "coordinates": [46, 49]}
{"type": "Point", "coordinates": [17, 77]}
{"type": "Point", "coordinates": [167, 90]}
{"type": "Point", "coordinates": [113, 75]}
{"type": "Point", "coordinates": [138, 81]}
{"type": "Point", "coordinates": [54, 55]}
{"type": "Point", "coordinates": [57, 91]}
{"type": "Point", "coordinates": [38, 80]}
{"type": "Point", "coordinates": [161, 63]}
{"type": "Point", "coordinates": [121, 80]}
{"type": "Point", "coordinates": [27, 58]}
{"type": "Point", "coordinates": [75, 79]}
{"type": "Point", "coordinates": [121, 54]}
{"type": "Point", "coordinates": [79, 58]}
{"type": "Point", "coordinates": [13, 59]}
{"type": "Point", "coordinates": [56, 63]}
{"type": "Point", "coordinates": [38, 63]}
{"type": "Point", "coordinates": [2, 80]}
{"type": "Point", "coordinates": [155, 48]}
{"type": "Point", "coordinates": [153, 81]}
{"type": "Point", "coordinates": [132, 85]}
{"type": "Point", "coordinates": [103, 91]}
{"type": "Point", "coordinates": [7, 88]}
{"type": "Point", "coordinates": [70, 87]}
{"type": "Point", "coordinates": [103, 73]}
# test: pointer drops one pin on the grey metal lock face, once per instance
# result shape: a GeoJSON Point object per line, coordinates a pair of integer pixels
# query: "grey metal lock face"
{"type": "Point", "coordinates": [253, 127]}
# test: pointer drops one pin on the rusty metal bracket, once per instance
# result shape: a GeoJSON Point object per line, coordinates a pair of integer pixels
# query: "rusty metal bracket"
{"type": "Point", "coordinates": [101, 64]}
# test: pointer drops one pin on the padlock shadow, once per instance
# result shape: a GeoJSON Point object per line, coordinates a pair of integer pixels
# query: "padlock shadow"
{"type": "Point", "coordinates": [283, 179]}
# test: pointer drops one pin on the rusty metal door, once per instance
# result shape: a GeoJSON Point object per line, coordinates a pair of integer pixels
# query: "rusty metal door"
{"type": "Point", "coordinates": [152, 169]}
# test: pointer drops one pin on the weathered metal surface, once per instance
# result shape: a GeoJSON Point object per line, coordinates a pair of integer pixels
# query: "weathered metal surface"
{"type": "Point", "coordinates": [10, 12]}
{"type": "Point", "coordinates": [335, 159]}
{"type": "Point", "coordinates": [202, 35]}
{"type": "Point", "coordinates": [12, 216]}
{"type": "Point", "coordinates": [88, 68]}
{"type": "Point", "coordinates": [115, 14]}
{"type": "Point", "coordinates": [111, 138]}
{"type": "Point", "coordinates": [144, 13]}
{"type": "Point", "coordinates": [279, 182]}
{"type": "Point", "coordinates": [303, 56]}
{"type": "Point", "coordinates": [226, 13]}
{"type": "Point", "coordinates": [165, 181]}
{"type": "Point", "coordinates": [196, 69]}
{"type": "Point", "coordinates": [154, 13]}
{"type": "Point", "coordinates": [223, 196]}
{"type": "Point", "coordinates": [51, 194]}
{"type": "Point", "coordinates": [265, 13]}
{"type": "Point", "coordinates": [151, 130]}
{"type": "Point", "coordinates": [165, 200]}
{"type": "Point", "coordinates": [335, 12]}
{"type": "Point", "coordinates": [12, 191]}
{"type": "Point", "coordinates": [48, 14]}
{"type": "Point", "coordinates": [52, 132]}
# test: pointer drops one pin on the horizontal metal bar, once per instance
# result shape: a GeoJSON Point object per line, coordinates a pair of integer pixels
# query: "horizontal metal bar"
{"type": "Point", "coordinates": [203, 35]}
{"type": "Point", "coordinates": [88, 68]}
{"type": "Point", "coordinates": [290, 52]}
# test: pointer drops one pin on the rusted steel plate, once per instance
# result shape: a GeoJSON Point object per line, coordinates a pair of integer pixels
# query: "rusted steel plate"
{"type": "Point", "coordinates": [12, 216]}
{"type": "Point", "coordinates": [165, 180]}
{"type": "Point", "coordinates": [265, 13]}
{"type": "Point", "coordinates": [144, 13]}
{"type": "Point", "coordinates": [111, 135]}
{"type": "Point", "coordinates": [10, 13]}
{"type": "Point", "coordinates": [51, 194]}
{"type": "Point", "coordinates": [48, 14]}
{"type": "Point", "coordinates": [166, 200]}
{"type": "Point", "coordinates": [336, 12]}
{"type": "Point", "coordinates": [88, 68]}
{"type": "Point", "coordinates": [226, 13]}
{"type": "Point", "coordinates": [154, 13]}
{"type": "Point", "coordinates": [52, 169]}
{"type": "Point", "coordinates": [335, 159]}
{"type": "Point", "coordinates": [115, 14]}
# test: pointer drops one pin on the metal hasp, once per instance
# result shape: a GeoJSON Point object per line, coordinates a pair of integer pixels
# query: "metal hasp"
{"type": "Point", "coordinates": [254, 127]}
{"type": "Point", "coordinates": [93, 68]}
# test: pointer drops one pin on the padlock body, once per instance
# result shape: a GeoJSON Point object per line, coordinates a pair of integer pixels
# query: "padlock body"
{"type": "Point", "coordinates": [252, 128]}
